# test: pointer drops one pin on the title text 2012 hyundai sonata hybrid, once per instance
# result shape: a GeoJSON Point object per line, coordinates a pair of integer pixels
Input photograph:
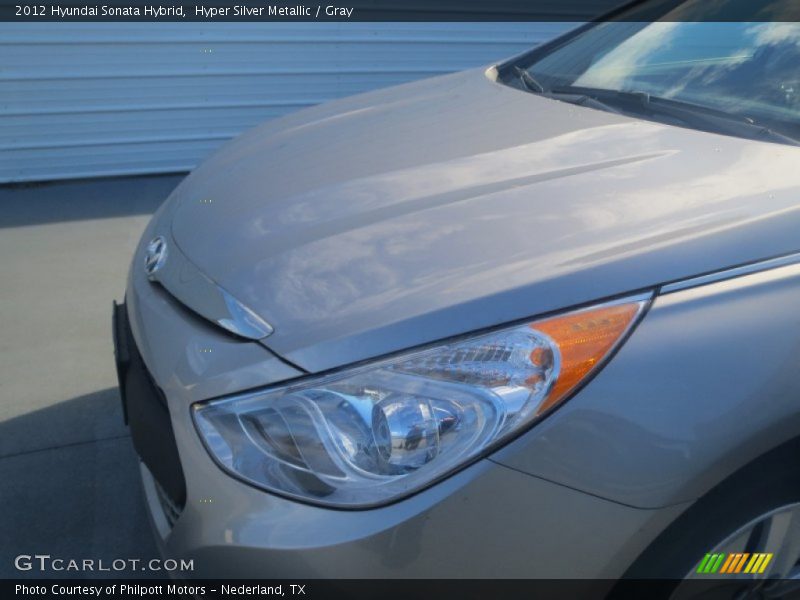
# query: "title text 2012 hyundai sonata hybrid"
{"type": "Point", "coordinates": [540, 320]}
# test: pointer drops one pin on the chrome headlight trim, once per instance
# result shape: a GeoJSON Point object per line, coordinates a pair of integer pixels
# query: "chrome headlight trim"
{"type": "Point", "coordinates": [318, 439]}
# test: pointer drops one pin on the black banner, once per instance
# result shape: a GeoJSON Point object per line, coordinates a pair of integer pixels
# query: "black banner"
{"type": "Point", "coordinates": [418, 589]}
{"type": "Point", "coordinates": [397, 10]}
{"type": "Point", "coordinates": [344, 10]}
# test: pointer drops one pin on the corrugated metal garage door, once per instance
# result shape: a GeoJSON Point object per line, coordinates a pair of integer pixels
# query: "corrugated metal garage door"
{"type": "Point", "coordinates": [86, 100]}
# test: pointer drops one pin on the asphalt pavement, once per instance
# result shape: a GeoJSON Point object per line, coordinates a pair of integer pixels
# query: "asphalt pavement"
{"type": "Point", "coordinates": [70, 486]}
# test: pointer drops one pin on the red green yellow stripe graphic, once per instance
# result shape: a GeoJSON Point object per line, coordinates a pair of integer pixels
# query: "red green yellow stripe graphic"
{"type": "Point", "coordinates": [734, 562]}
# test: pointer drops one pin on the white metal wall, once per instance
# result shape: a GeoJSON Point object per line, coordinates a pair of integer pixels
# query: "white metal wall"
{"type": "Point", "coordinates": [86, 100]}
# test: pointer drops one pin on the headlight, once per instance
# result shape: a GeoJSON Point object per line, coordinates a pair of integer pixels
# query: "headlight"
{"type": "Point", "coordinates": [370, 435]}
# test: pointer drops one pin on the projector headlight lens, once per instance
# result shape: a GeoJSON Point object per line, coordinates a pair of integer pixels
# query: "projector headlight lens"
{"type": "Point", "coordinates": [371, 435]}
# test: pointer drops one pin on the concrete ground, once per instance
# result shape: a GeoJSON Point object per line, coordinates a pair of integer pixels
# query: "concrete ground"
{"type": "Point", "coordinates": [70, 485]}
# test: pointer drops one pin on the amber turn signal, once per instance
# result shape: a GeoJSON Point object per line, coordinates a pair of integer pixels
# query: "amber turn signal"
{"type": "Point", "coordinates": [584, 339]}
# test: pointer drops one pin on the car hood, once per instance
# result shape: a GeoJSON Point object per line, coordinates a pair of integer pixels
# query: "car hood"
{"type": "Point", "coordinates": [403, 216]}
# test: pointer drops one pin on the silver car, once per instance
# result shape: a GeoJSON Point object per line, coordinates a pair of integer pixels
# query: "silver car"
{"type": "Point", "coordinates": [535, 320]}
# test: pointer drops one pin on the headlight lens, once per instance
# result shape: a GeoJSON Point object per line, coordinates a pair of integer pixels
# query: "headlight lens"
{"type": "Point", "coordinates": [371, 435]}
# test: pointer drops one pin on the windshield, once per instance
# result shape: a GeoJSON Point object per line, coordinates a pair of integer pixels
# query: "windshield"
{"type": "Point", "coordinates": [748, 70]}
